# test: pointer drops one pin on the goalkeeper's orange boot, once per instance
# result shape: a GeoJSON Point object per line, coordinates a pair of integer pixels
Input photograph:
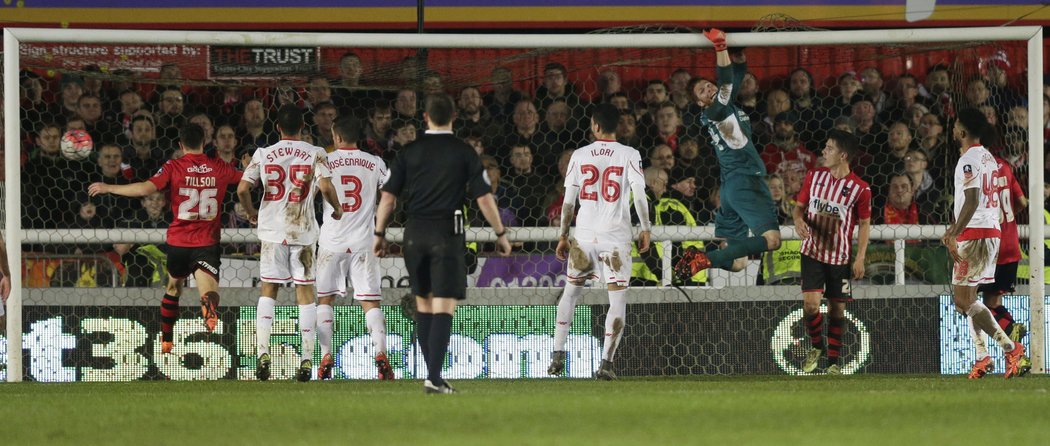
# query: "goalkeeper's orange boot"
{"type": "Point", "coordinates": [165, 346]}
{"type": "Point", "coordinates": [324, 370]}
{"type": "Point", "coordinates": [386, 373]}
{"type": "Point", "coordinates": [692, 262]}
{"type": "Point", "coordinates": [1013, 360]}
{"type": "Point", "coordinates": [981, 368]}
{"type": "Point", "coordinates": [210, 310]}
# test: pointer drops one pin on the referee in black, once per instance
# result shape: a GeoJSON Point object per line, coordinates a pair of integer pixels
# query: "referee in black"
{"type": "Point", "coordinates": [432, 175]}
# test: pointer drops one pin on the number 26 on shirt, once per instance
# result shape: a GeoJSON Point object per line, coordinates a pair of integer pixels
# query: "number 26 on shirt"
{"type": "Point", "coordinates": [198, 204]}
{"type": "Point", "coordinates": [610, 184]}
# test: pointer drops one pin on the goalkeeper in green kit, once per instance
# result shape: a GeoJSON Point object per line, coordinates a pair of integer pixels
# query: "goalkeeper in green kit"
{"type": "Point", "coordinates": [746, 201]}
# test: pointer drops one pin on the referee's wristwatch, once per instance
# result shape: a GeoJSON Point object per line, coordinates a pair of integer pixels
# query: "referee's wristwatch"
{"type": "Point", "coordinates": [379, 233]}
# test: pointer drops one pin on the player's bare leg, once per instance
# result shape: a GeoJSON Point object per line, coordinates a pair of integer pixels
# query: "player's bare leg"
{"type": "Point", "coordinates": [325, 318]}
{"type": "Point", "coordinates": [264, 315]}
{"type": "Point", "coordinates": [814, 327]}
{"type": "Point", "coordinates": [306, 298]}
{"type": "Point", "coordinates": [375, 321]}
{"type": "Point", "coordinates": [208, 286]}
{"type": "Point", "coordinates": [169, 313]}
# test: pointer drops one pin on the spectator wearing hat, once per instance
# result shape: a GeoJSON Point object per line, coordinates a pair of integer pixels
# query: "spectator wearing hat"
{"type": "Point", "coordinates": [995, 70]}
{"type": "Point", "coordinates": [786, 145]}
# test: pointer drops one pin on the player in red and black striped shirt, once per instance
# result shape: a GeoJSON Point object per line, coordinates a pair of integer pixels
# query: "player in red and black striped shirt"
{"type": "Point", "coordinates": [832, 201]}
{"type": "Point", "coordinates": [196, 184]}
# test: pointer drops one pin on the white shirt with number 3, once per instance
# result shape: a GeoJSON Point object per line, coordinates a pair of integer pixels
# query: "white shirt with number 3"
{"type": "Point", "coordinates": [357, 177]}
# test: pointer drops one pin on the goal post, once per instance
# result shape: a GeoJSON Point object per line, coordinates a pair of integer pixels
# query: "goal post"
{"type": "Point", "coordinates": [16, 235]}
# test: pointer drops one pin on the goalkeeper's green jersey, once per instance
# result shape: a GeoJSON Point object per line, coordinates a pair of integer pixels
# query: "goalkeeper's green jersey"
{"type": "Point", "coordinates": [730, 128]}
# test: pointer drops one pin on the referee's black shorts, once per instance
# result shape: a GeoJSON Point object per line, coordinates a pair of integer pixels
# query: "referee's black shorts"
{"type": "Point", "coordinates": [832, 280]}
{"type": "Point", "coordinates": [435, 258]}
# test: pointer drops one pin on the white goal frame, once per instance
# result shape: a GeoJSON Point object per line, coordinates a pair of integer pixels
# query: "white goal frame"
{"type": "Point", "coordinates": [1033, 35]}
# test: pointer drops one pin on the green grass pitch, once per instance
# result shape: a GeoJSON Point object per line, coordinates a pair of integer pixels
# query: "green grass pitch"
{"type": "Point", "coordinates": [774, 410]}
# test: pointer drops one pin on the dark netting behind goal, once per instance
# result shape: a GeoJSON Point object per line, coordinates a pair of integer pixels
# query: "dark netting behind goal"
{"type": "Point", "coordinates": [91, 297]}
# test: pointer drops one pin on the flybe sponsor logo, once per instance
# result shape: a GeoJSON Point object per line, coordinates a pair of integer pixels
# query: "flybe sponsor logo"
{"type": "Point", "coordinates": [825, 207]}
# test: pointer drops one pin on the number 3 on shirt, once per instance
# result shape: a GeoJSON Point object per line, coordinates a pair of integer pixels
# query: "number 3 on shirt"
{"type": "Point", "coordinates": [352, 193]}
{"type": "Point", "coordinates": [610, 188]}
{"type": "Point", "coordinates": [275, 183]}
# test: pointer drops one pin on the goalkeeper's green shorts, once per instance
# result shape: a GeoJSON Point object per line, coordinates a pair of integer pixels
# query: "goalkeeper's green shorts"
{"type": "Point", "coordinates": [746, 205]}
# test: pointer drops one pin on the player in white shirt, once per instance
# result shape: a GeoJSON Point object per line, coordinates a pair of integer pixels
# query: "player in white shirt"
{"type": "Point", "coordinates": [973, 240]}
{"type": "Point", "coordinates": [604, 176]}
{"type": "Point", "coordinates": [292, 171]}
{"type": "Point", "coordinates": [345, 246]}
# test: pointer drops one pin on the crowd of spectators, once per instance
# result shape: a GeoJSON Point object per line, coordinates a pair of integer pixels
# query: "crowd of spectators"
{"type": "Point", "coordinates": [524, 137]}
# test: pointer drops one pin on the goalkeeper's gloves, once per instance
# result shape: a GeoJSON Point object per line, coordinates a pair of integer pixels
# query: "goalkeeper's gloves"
{"type": "Point", "coordinates": [717, 37]}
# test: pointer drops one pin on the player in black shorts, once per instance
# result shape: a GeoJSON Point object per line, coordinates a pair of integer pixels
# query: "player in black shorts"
{"type": "Point", "coordinates": [832, 202]}
{"type": "Point", "coordinates": [195, 185]}
{"type": "Point", "coordinates": [431, 175]}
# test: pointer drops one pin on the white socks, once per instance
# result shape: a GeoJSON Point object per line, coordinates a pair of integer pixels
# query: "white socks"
{"type": "Point", "coordinates": [982, 318]}
{"type": "Point", "coordinates": [325, 315]}
{"type": "Point", "coordinates": [307, 327]}
{"type": "Point", "coordinates": [566, 311]}
{"type": "Point", "coordinates": [375, 321]}
{"type": "Point", "coordinates": [264, 323]}
{"type": "Point", "coordinates": [614, 323]}
{"type": "Point", "coordinates": [978, 340]}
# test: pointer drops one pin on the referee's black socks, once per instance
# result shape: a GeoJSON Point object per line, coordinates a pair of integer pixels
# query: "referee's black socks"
{"type": "Point", "coordinates": [440, 333]}
{"type": "Point", "coordinates": [423, 323]}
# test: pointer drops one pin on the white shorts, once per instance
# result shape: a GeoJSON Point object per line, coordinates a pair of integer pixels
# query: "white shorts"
{"type": "Point", "coordinates": [280, 263]}
{"type": "Point", "coordinates": [978, 264]}
{"type": "Point", "coordinates": [606, 261]}
{"type": "Point", "coordinates": [362, 268]}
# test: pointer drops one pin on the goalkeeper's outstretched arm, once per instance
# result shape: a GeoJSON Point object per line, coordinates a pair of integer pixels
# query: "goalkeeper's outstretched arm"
{"type": "Point", "coordinates": [718, 38]}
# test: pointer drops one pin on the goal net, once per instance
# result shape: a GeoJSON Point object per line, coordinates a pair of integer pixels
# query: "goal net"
{"type": "Point", "coordinates": [90, 271]}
